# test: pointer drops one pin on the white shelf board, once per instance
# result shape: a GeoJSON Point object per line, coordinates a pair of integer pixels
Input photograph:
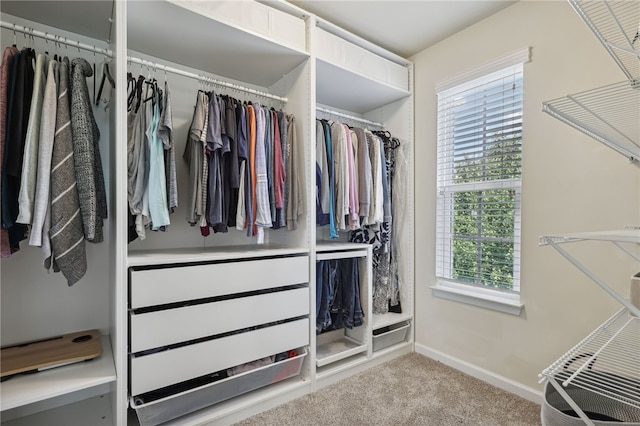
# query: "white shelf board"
{"type": "Point", "coordinates": [390, 318]}
{"type": "Point", "coordinates": [207, 44]}
{"type": "Point", "coordinates": [606, 362]}
{"type": "Point", "coordinates": [340, 88]}
{"type": "Point", "coordinates": [208, 254]}
{"type": "Point", "coordinates": [328, 246]}
{"type": "Point", "coordinates": [29, 388]}
{"type": "Point", "coordinates": [616, 236]}
{"type": "Point", "coordinates": [333, 351]}
{"type": "Point", "coordinates": [94, 411]}
{"type": "Point", "coordinates": [88, 18]}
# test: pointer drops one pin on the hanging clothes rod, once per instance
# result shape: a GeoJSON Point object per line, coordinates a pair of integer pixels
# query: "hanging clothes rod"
{"type": "Point", "coordinates": [349, 117]}
{"type": "Point", "coordinates": [204, 78]}
{"type": "Point", "coordinates": [55, 38]}
{"type": "Point", "coordinates": [107, 52]}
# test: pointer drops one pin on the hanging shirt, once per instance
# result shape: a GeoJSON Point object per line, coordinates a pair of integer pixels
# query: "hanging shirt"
{"type": "Point", "coordinates": [333, 232]}
{"type": "Point", "coordinates": [86, 152]}
{"type": "Point", "coordinates": [165, 133]}
{"type": "Point", "coordinates": [5, 77]}
{"type": "Point", "coordinates": [26, 196]}
{"type": "Point", "coordinates": [45, 151]}
{"type": "Point", "coordinates": [159, 212]}
{"type": "Point", "coordinates": [354, 206]}
{"type": "Point", "coordinates": [364, 173]}
{"type": "Point", "coordinates": [279, 172]}
{"type": "Point", "coordinates": [341, 167]}
{"type": "Point", "coordinates": [295, 208]}
{"type": "Point", "coordinates": [263, 211]}
{"type": "Point", "coordinates": [194, 155]}
{"type": "Point", "coordinates": [66, 233]}
{"type": "Point", "coordinates": [322, 181]}
{"type": "Point", "coordinates": [214, 148]}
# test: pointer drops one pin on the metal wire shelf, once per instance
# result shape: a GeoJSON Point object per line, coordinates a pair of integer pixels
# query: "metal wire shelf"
{"type": "Point", "coordinates": [617, 25]}
{"type": "Point", "coordinates": [606, 362]}
{"type": "Point", "coordinates": [609, 114]}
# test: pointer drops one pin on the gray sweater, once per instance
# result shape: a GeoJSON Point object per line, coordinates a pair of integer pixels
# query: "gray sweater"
{"type": "Point", "coordinates": [67, 235]}
{"type": "Point", "coordinates": [86, 153]}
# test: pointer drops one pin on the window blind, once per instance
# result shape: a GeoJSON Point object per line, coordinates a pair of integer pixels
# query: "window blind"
{"type": "Point", "coordinates": [479, 180]}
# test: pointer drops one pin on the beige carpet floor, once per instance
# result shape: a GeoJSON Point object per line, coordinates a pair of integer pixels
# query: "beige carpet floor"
{"type": "Point", "coordinates": [409, 390]}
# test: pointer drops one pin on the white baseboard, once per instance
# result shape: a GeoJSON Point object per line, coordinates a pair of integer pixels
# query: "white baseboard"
{"type": "Point", "coordinates": [492, 378]}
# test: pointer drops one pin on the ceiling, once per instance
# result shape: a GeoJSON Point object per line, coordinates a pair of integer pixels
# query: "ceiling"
{"type": "Point", "coordinates": [404, 27]}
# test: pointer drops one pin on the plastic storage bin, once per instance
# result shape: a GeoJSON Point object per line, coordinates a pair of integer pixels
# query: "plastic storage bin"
{"type": "Point", "coordinates": [173, 406]}
{"type": "Point", "coordinates": [391, 335]}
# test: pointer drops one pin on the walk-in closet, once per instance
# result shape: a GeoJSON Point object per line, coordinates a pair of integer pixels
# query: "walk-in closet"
{"type": "Point", "coordinates": [204, 288]}
{"type": "Point", "coordinates": [213, 208]}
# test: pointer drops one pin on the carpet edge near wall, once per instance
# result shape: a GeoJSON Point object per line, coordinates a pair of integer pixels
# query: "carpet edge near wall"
{"type": "Point", "coordinates": [501, 382]}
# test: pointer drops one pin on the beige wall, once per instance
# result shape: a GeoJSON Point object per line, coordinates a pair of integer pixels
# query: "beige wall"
{"type": "Point", "coordinates": [571, 183]}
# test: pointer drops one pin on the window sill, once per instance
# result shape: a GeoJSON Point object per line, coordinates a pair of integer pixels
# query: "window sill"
{"type": "Point", "coordinates": [487, 299]}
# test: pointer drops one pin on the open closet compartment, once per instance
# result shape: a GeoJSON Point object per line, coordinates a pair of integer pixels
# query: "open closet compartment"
{"type": "Point", "coordinates": [37, 305]}
{"type": "Point", "coordinates": [202, 308]}
{"type": "Point", "coordinates": [364, 86]}
{"type": "Point", "coordinates": [599, 378]}
{"type": "Point", "coordinates": [343, 272]}
{"type": "Point", "coordinates": [248, 51]}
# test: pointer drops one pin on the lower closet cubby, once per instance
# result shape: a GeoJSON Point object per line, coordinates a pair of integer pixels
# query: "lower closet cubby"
{"type": "Point", "coordinates": [207, 332]}
{"type": "Point", "coordinates": [343, 305]}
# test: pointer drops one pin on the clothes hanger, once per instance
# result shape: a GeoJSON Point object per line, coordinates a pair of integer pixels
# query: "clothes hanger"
{"type": "Point", "coordinates": [106, 75]}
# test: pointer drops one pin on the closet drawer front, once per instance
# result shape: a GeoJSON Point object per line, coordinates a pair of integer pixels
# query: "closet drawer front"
{"type": "Point", "coordinates": [170, 285]}
{"type": "Point", "coordinates": [162, 369]}
{"type": "Point", "coordinates": [166, 327]}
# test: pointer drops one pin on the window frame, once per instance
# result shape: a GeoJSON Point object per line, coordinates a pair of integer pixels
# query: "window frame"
{"type": "Point", "coordinates": [507, 301]}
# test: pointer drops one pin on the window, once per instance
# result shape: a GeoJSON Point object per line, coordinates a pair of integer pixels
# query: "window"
{"type": "Point", "coordinates": [479, 181]}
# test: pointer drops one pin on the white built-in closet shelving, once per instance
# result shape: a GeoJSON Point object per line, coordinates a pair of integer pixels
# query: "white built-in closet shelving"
{"type": "Point", "coordinates": [362, 85]}
{"type": "Point", "coordinates": [301, 63]}
{"type": "Point", "coordinates": [605, 363]}
{"type": "Point", "coordinates": [37, 305]}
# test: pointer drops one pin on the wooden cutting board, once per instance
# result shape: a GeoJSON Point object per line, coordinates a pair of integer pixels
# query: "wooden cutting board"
{"type": "Point", "coordinates": [51, 352]}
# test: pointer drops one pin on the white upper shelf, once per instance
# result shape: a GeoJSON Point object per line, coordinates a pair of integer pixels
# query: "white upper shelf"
{"type": "Point", "coordinates": [609, 114]}
{"type": "Point", "coordinates": [88, 18]}
{"type": "Point", "coordinates": [616, 24]}
{"type": "Point", "coordinates": [244, 41]}
{"type": "Point", "coordinates": [353, 78]}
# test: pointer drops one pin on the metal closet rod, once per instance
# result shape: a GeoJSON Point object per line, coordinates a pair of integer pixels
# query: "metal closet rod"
{"type": "Point", "coordinates": [350, 117]}
{"type": "Point", "coordinates": [56, 39]}
{"type": "Point", "coordinates": [107, 52]}
{"type": "Point", "coordinates": [204, 78]}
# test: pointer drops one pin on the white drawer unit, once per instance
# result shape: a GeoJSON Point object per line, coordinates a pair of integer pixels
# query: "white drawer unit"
{"type": "Point", "coordinates": [170, 326]}
{"type": "Point", "coordinates": [187, 321]}
{"type": "Point", "coordinates": [172, 366]}
{"type": "Point", "coordinates": [166, 285]}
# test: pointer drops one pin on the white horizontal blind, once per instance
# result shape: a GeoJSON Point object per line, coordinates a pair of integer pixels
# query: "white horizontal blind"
{"type": "Point", "coordinates": [479, 175]}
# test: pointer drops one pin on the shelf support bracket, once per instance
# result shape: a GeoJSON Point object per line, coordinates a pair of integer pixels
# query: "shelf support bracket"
{"type": "Point", "coordinates": [626, 303]}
